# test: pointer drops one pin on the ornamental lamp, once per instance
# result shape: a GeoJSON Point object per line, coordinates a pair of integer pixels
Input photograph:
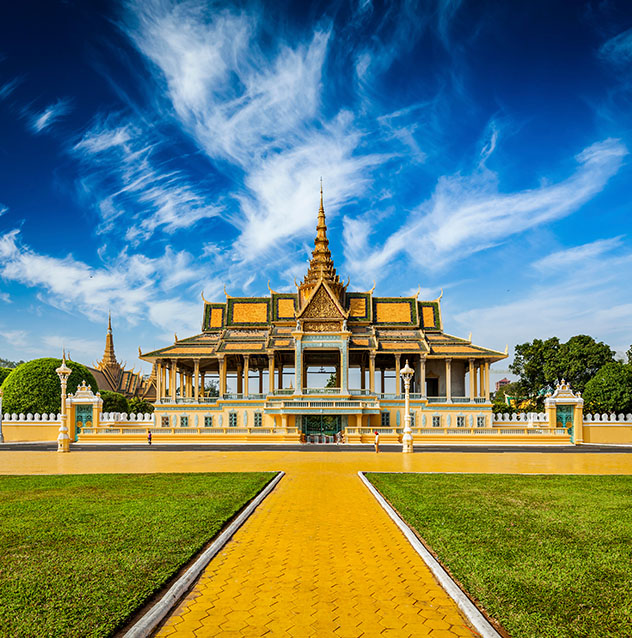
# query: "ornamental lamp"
{"type": "Point", "coordinates": [63, 372]}
{"type": "Point", "coordinates": [407, 439]}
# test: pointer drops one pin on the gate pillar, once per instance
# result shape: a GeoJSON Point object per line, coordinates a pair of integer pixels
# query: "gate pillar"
{"type": "Point", "coordinates": [84, 406]}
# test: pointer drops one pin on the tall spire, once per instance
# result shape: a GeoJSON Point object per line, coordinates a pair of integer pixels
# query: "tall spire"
{"type": "Point", "coordinates": [109, 357]}
{"type": "Point", "coordinates": [321, 265]}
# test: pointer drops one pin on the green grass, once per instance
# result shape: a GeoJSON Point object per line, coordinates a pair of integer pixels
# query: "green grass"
{"type": "Point", "coordinates": [547, 556]}
{"type": "Point", "coordinates": [79, 554]}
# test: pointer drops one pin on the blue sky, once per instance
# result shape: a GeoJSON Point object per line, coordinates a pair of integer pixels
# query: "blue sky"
{"type": "Point", "coordinates": [150, 150]}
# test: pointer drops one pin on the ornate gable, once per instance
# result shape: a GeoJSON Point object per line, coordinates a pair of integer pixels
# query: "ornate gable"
{"type": "Point", "coordinates": [322, 312]}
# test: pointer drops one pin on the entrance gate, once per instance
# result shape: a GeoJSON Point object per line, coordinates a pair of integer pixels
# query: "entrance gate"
{"type": "Point", "coordinates": [564, 419]}
{"type": "Point", "coordinates": [83, 418]}
{"type": "Point", "coordinates": [320, 428]}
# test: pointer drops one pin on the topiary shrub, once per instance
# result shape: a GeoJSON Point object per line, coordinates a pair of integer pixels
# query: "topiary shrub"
{"type": "Point", "coordinates": [114, 402]}
{"type": "Point", "coordinates": [4, 373]}
{"type": "Point", "coordinates": [140, 406]}
{"type": "Point", "coordinates": [34, 386]}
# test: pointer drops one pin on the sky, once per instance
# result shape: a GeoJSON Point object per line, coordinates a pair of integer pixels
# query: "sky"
{"type": "Point", "coordinates": [153, 150]}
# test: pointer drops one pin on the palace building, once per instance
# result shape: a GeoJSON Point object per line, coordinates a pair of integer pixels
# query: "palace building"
{"type": "Point", "coordinates": [318, 362]}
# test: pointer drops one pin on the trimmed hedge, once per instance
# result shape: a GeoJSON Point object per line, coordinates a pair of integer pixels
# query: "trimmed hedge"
{"type": "Point", "coordinates": [34, 386]}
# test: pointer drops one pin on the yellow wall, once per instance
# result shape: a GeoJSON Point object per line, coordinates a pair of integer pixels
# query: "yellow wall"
{"type": "Point", "coordinates": [20, 431]}
{"type": "Point", "coordinates": [607, 433]}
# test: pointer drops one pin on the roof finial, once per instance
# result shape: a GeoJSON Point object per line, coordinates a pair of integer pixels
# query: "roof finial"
{"type": "Point", "coordinates": [109, 321]}
{"type": "Point", "coordinates": [322, 208]}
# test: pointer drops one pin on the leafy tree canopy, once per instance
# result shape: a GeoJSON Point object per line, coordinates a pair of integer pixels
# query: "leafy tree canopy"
{"type": "Point", "coordinates": [9, 364]}
{"type": "Point", "coordinates": [628, 354]}
{"type": "Point", "coordinates": [114, 402]}
{"type": "Point", "coordinates": [541, 362]}
{"type": "Point", "coordinates": [140, 406]}
{"type": "Point", "coordinates": [34, 386]}
{"type": "Point", "coordinates": [610, 390]}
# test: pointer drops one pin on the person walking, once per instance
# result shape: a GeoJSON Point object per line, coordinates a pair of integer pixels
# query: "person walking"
{"type": "Point", "coordinates": [149, 437]}
{"type": "Point", "coordinates": [377, 441]}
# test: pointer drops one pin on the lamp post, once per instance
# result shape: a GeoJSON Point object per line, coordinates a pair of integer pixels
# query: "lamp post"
{"type": "Point", "coordinates": [1, 416]}
{"type": "Point", "coordinates": [63, 372]}
{"type": "Point", "coordinates": [407, 440]}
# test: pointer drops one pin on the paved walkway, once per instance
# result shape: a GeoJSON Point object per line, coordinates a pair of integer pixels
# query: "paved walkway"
{"type": "Point", "coordinates": [318, 558]}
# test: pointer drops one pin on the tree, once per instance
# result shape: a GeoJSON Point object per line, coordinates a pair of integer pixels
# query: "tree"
{"type": "Point", "coordinates": [211, 389]}
{"type": "Point", "coordinates": [541, 363]}
{"type": "Point", "coordinates": [10, 364]}
{"type": "Point", "coordinates": [140, 406]}
{"type": "Point", "coordinates": [331, 382]}
{"type": "Point", "coordinates": [34, 386]}
{"type": "Point", "coordinates": [610, 390]}
{"type": "Point", "coordinates": [500, 404]}
{"type": "Point", "coordinates": [628, 354]}
{"type": "Point", "coordinates": [114, 402]}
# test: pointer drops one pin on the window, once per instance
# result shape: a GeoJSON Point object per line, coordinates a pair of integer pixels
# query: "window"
{"type": "Point", "coordinates": [436, 421]}
{"type": "Point", "coordinates": [232, 420]}
{"type": "Point", "coordinates": [184, 421]}
{"type": "Point", "coordinates": [460, 421]}
{"type": "Point", "coordinates": [480, 421]}
{"type": "Point", "coordinates": [258, 419]}
{"type": "Point", "coordinates": [386, 419]}
{"type": "Point", "coordinates": [164, 421]}
{"type": "Point", "coordinates": [208, 421]}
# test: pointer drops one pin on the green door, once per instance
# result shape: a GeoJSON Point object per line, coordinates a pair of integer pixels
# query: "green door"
{"type": "Point", "coordinates": [565, 419]}
{"type": "Point", "coordinates": [320, 428]}
{"type": "Point", "coordinates": [83, 418]}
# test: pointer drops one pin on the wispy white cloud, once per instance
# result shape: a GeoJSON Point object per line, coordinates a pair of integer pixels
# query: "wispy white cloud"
{"type": "Point", "coordinates": [17, 338]}
{"type": "Point", "coordinates": [9, 87]}
{"type": "Point", "coordinates": [3, 209]}
{"type": "Point", "coordinates": [258, 110]}
{"type": "Point", "coordinates": [135, 285]}
{"type": "Point", "coordinates": [576, 256]}
{"type": "Point", "coordinates": [467, 214]}
{"type": "Point", "coordinates": [76, 347]}
{"type": "Point", "coordinates": [45, 119]}
{"type": "Point", "coordinates": [4, 297]}
{"type": "Point", "coordinates": [619, 48]}
{"type": "Point", "coordinates": [121, 169]}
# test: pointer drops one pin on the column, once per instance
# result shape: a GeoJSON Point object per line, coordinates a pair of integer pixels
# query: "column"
{"type": "Point", "coordinates": [172, 380]}
{"type": "Point", "coordinates": [398, 376]}
{"type": "Point", "coordinates": [487, 380]}
{"type": "Point", "coordinates": [475, 377]}
{"type": "Point", "coordinates": [196, 376]}
{"type": "Point", "coordinates": [260, 380]}
{"type": "Point", "coordinates": [221, 362]}
{"type": "Point", "coordinates": [372, 372]}
{"type": "Point", "coordinates": [158, 382]}
{"type": "Point", "coordinates": [270, 373]}
{"type": "Point", "coordinates": [163, 380]}
{"type": "Point", "coordinates": [362, 376]}
{"type": "Point", "coordinates": [344, 368]}
{"type": "Point", "coordinates": [481, 386]}
{"type": "Point", "coordinates": [298, 367]}
{"type": "Point", "coordinates": [448, 380]}
{"type": "Point", "coordinates": [246, 373]}
{"type": "Point", "coordinates": [280, 375]}
{"type": "Point", "coordinates": [422, 376]}
{"type": "Point", "coordinates": [472, 381]}
{"type": "Point", "coordinates": [202, 383]}
{"type": "Point", "coordinates": [240, 381]}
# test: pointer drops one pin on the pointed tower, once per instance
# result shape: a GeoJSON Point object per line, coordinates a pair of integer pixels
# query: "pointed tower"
{"type": "Point", "coordinates": [321, 265]}
{"type": "Point", "coordinates": [109, 366]}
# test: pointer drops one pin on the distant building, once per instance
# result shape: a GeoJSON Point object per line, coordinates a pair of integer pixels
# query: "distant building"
{"type": "Point", "coordinates": [111, 375]}
{"type": "Point", "coordinates": [501, 383]}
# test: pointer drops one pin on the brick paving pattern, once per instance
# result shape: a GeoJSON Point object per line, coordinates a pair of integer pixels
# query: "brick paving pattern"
{"type": "Point", "coordinates": [319, 557]}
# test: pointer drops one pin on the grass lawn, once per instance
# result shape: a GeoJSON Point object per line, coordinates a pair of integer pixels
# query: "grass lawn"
{"type": "Point", "coordinates": [78, 554]}
{"type": "Point", "coordinates": [544, 555]}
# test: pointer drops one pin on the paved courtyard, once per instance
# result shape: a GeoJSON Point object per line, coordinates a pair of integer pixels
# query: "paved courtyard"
{"type": "Point", "coordinates": [319, 557]}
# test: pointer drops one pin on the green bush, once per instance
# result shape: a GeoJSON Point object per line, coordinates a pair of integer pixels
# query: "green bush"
{"type": "Point", "coordinates": [4, 373]}
{"type": "Point", "coordinates": [610, 390]}
{"type": "Point", "coordinates": [34, 386]}
{"type": "Point", "coordinates": [140, 406]}
{"type": "Point", "coordinates": [114, 402]}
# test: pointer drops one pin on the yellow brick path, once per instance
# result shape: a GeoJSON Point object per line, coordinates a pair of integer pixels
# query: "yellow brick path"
{"type": "Point", "coordinates": [318, 558]}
